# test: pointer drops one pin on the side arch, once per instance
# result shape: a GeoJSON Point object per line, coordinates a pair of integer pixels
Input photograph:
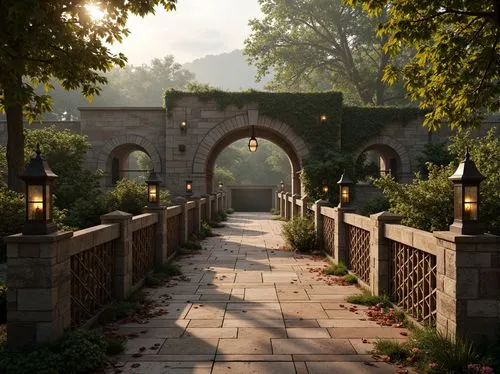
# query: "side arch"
{"type": "Point", "coordinates": [399, 149]}
{"type": "Point", "coordinates": [136, 140]}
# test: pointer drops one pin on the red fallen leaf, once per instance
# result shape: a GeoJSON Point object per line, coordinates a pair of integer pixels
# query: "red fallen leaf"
{"type": "Point", "coordinates": [144, 331]}
{"type": "Point", "coordinates": [369, 363]}
{"type": "Point", "coordinates": [142, 349]}
{"type": "Point", "coordinates": [342, 305]}
{"type": "Point", "coordinates": [136, 365]}
{"type": "Point", "coordinates": [137, 355]}
{"type": "Point", "coordinates": [385, 358]}
{"type": "Point", "coordinates": [404, 333]}
{"type": "Point", "coordinates": [364, 341]}
{"type": "Point", "coordinates": [153, 348]}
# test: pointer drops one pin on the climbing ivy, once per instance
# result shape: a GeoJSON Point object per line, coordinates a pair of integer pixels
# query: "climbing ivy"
{"type": "Point", "coordinates": [301, 111]}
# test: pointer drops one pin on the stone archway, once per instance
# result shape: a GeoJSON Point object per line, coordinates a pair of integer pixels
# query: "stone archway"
{"type": "Point", "coordinates": [387, 147]}
{"type": "Point", "coordinates": [238, 127]}
{"type": "Point", "coordinates": [126, 144]}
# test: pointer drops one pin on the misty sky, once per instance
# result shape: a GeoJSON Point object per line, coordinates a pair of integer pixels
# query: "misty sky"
{"type": "Point", "coordinates": [195, 29]}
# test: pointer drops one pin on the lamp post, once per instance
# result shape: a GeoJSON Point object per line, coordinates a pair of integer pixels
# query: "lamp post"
{"type": "Point", "coordinates": [38, 178]}
{"type": "Point", "coordinates": [189, 187]}
{"type": "Point", "coordinates": [252, 143]}
{"type": "Point", "coordinates": [466, 180]}
{"type": "Point", "coordinates": [282, 186]}
{"type": "Point", "coordinates": [153, 190]}
{"type": "Point", "coordinates": [345, 184]}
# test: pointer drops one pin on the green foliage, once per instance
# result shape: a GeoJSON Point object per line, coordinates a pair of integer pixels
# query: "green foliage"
{"type": "Point", "coordinates": [115, 345]}
{"type": "Point", "coordinates": [128, 196]}
{"type": "Point", "coordinates": [3, 303]}
{"type": "Point", "coordinates": [220, 216]}
{"type": "Point", "coordinates": [425, 204]}
{"type": "Point", "coordinates": [311, 52]}
{"type": "Point", "coordinates": [350, 278]}
{"type": "Point", "coordinates": [224, 175]}
{"type": "Point", "coordinates": [191, 245]}
{"type": "Point", "coordinates": [216, 224]}
{"type": "Point", "coordinates": [230, 211]}
{"type": "Point", "coordinates": [366, 298]}
{"type": "Point", "coordinates": [162, 273]}
{"type": "Point", "coordinates": [78, 352]}
{"type": "Point", "coordinates": [12, 218]}
{"type": "Point", "coordinates": [336, 269]}
{"type": "Point", "coordinates": [300, 235]}
{"type": "Point", "coordinates": [434, 153]}
{"type": "Point", "coordinates": [375, 205]}
{"type": "Point", "coordinates": [206, 230]}
{"type": "Point", "coordinates": [455, 69]}
{"type": "Point", "coordinates": [396, 350]}
{"type": "Point", "coordinates": [274, 211]}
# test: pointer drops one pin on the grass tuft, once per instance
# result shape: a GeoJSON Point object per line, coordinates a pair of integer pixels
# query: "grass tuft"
{"type": "Point", "coordinates": [350, 278]}
{"type": "Point", "coordinates": [336, 269]}
{"type": "Point", "coordinates": [370, 300]}
{"type": "Point", "coordinates": [396, 351]}
{"type": "Point", "coordinates": [191, 245]}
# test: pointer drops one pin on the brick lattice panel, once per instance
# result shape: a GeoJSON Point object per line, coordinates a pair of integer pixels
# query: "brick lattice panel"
{"type": "Point", "coordinates": [143, 252]}
{"type": "Point", "coordinates": [173, 233]}
{"type": "Point", "coordinates": [358, 251]}
{"type": "Point", "coordinates": [329, 235]}
{"type": "Point", "coordinates": [92, 273]}
{"type": "Point", "coordinates": [413, 281]}
{"type": "Point", "coordinates": [204, 212]}
{"type": "Point", "coordinates": [191, 223]}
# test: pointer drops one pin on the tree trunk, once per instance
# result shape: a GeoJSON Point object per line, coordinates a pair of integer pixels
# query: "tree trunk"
{"type": "Point", "coordinates": [379, 84]}
{"type": "Point", "coordinates": [15, 142]}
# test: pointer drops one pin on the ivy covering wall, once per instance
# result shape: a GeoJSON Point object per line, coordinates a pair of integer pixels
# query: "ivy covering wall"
{"type": "Point", "coordinates": [301, 111]}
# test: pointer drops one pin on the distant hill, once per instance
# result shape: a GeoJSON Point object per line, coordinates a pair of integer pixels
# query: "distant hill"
{"type": "Point", "coordinates": [228, 71]}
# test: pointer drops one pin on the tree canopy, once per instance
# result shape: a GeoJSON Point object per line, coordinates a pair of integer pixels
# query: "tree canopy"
{"type": "Point", "coordinates": [321, 45]}
{"type": "Point", "coordinates": [456, 69]}
{"type": "Point", "coordinates": [44, 39]}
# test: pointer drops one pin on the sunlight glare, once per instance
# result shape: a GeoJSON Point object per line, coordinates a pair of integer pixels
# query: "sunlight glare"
{"type": "Point", "coordinates": [95, 12]}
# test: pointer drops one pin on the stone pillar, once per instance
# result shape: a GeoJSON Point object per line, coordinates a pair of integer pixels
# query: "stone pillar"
{"type": "Point", "coordinates": [281, 205]}
{"type": "Point", "coordinates": [123, 252]}
{"type": "Point", "coordinates": [216, 208]}
{"type": "Point", "coordinates": [340, 234]}
{"type": "Point", "coordinates": [288, 214]}
{"type": "Point", "coordinates": [468, 285]}
{"type": "Point", "coordinates": [379, 252]}
{"type": "Point", "coordinates": [161, 249]}
{"type": "Point", "coordinates": [293, 210]}
{"type": "Point", "coordinates": [303, 208]}
{"type": "Point", "coordinates": [182, 202]}
{"type": "Point", "coordinates": [197, 214]}
{"type": "Point", "coordinates": [209, 207]}
{"type": "Point", "coordinates": [318, 221]}
{"type": "Point", "coordinates": [39, 288]}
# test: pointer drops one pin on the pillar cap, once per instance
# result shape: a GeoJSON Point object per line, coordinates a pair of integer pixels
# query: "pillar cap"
{"type": "Point", "coordinates": [117, 215]}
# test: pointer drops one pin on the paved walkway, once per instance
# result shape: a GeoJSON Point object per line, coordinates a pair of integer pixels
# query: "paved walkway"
{"type": "Point", "coordinates": [250, 308]}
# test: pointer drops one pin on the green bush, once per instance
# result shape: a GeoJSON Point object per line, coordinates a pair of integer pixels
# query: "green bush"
{"type": "Point", "coordinates": [375, 205]}
{"type": "Point", "coordinates": [299, 234]}
{"type": "Point", "coordinates": [191, 245]}
{"type": "Point", "coordinates": [274, 211]}
{"type": "Point", "coordinates": [230, 211]}
{"type": "Point", "coordinates": [161, 273]}
{"type": "Point", "coordinates": [205, 230]}
{"type": "Point", "coordinates": [216, 225]}
{"type": "Point", "coordinates": [12, 217]}
{"type": "Point", "coordinates": [79, 351]}
{"type": "Point", "coordinates": [128, 196]}
{"type": "Point", "coordinates": [350, 278]}
{"type": "Point", "coordinates": [370, 300]}
{"type": "Point", "coordinates": [3, 303]}
{"type": "Point", "coordinates": [220, 216]}
{"type": "Point", "coordinates": [336, 269]}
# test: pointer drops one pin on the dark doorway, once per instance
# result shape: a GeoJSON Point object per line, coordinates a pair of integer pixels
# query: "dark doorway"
{"type": "Point", "coordinates": [252, 200]}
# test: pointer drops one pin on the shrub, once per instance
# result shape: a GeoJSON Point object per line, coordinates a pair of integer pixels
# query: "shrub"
{"type": "Point", "coordinates": [220, 216]}
{"type": "Point", "coordinates": [128, 196]}
{"type": "Point", "coordinates": [216, 225]}
{"type": "Point", "coordinates": [370, 300]}
{"type": "Point", "coordinates": [350, 278]}
{"type": "Point", "coordinates": [336, 269]}
{"type": "Point", "coordinates": [3, 303]}
{"type": "Point", "coordinates": [230, 211]}
{"type": "Point", "coordinates": [375, 205]}
{"type": "Point", "coordinates": [299, 234]}
{"type": "Point", "coordinates": [205, 230]}
{"type": "Point", "coordinates": [162, 273]}
{"type": "Point", "coordinates": [274, 211]}
{"type": "Point", "coordinates": [12, 217]}
{"type": "Point", "coordinates": [396, 351]}
{"type": "Point", "coordinates": [79, 351]}
{"type": "Point", "coordinates": [191, 245]}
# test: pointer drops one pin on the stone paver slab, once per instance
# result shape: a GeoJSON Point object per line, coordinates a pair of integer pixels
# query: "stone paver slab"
{"type": "Point", "coordinates": [253, 368]}
{"type": "Point", "coordinates": [210, 332]}
{"type": "Point", "coordinates": [189, 346]}
{"type": "Point", "coordinates": [304, 332]}
{"type": "Point", "coordinates": [349, 367]}
{"type": "Point", "coordinates": [367, 332]}
{"type": "Point", "coordinates": [252, 322]}
{"type": "Point", "coordinates": [303, 310]}
{"type": "Point", "coordinates": [244, 346]}
{"type": "Point", "coordinates": [206, 311]}
{"type": "Point", "coordinates": [205, 323]}
{"type": "Point", "coordinates": [264, 333]}
{"type": "Point", "coordinates": [315, 346]}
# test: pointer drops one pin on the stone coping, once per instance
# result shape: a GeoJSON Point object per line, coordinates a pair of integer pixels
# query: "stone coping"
{"type": "Point", "coordinates": [418, 239]}
{"type": "Point", "coordinates": [329, 211]}
{"type": "Point", "coordinates": [174, 211]}
{"type": "Point", "coordinates": [191, 205]}
{"type": "Point", "coordinates": [144, 220]}
{"type": "Point", "coordinates": [357, 220]}
{"type": "Point", "coordinates": [85, 239]}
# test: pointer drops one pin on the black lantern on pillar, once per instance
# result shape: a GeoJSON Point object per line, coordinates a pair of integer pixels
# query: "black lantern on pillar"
{"type": "Point", "coordinates": [345, 184]}
{"type": "Point", "coordinates": [252, 143]}
{"type": "Point", "coordinates": [189, 187]}
{"type": "Point", "coordinates": [323, 119]}
{"type": "Point", "coordinates": [153, 190]}
{"type": "Point", "coordinates": [466, 180]}
{"type": "Point", "coordinates": [282, 186]}
{"type": "Point", "coordinates": [38, 178]}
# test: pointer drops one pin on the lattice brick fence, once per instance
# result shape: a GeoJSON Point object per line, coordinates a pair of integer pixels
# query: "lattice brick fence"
{"type": "Point", "coordinates": [92, 273]}
{"type": "Point", "coordinates": [204, 212]}
{"type": "Point", "coordinates": [173, 233]}
{"type": "Point", "coordinates": [143, 252]}
{"type": "Point", "coordinates": [413, 281]}
{"type": "Point", "coordinates": [358, 252]}
{"type": "Point", "coordinates": [191, 222]}
{"type": "Point", "coordinates": [329, 235]}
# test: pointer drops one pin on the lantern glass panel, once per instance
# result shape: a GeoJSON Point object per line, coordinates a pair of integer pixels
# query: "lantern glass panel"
{"type": "Point", "coordinates": [325, 188]}
{"type": "Point", "coordinates": [152, 193]}
{"type": "Point", "coordinates": [457, 201]}
{"type": "Point", "coordinates": [48, 202]}
{"type": "Point", "coordinates": [189, 186]}
{"type": "Point", "coordinates": [344, 194]}
{"type": "Point", "coordinates": [470, 203]}
{"type": "Point", "coordinates": [35, 202]}
{"type": "Point", "coordinates": [252, 145]}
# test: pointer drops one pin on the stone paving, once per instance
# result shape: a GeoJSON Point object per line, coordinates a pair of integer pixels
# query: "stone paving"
{"type": "Point", "coordinates": [251, 308]}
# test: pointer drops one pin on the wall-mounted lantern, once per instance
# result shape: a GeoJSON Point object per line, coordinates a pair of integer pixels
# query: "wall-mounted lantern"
{"type": "Point", "coordinates": [189, 187]}
{"type": "Point", "coordinates": [153, 190]}
{"type": "Point", "coordinates": [252, 143]}
{"type": "Point", "coordinates": [324, 186]}
{"type": "Point", "coordinates": [182, 148]}
{"type": "Point", "coordinates": [282, 186]}
{"type": "Point", "coordinates": [183, 125]}
{"type": "Point", "coordinates": [38, 178]}
{"type": "Point", "coordinates": [323, 119]}
{"type": "Point", "coordinates": [466, 180]}
{"type": "Point", "coordinates": [345, 184]}
{"type": "Point", "coordinates": [221, 185]}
